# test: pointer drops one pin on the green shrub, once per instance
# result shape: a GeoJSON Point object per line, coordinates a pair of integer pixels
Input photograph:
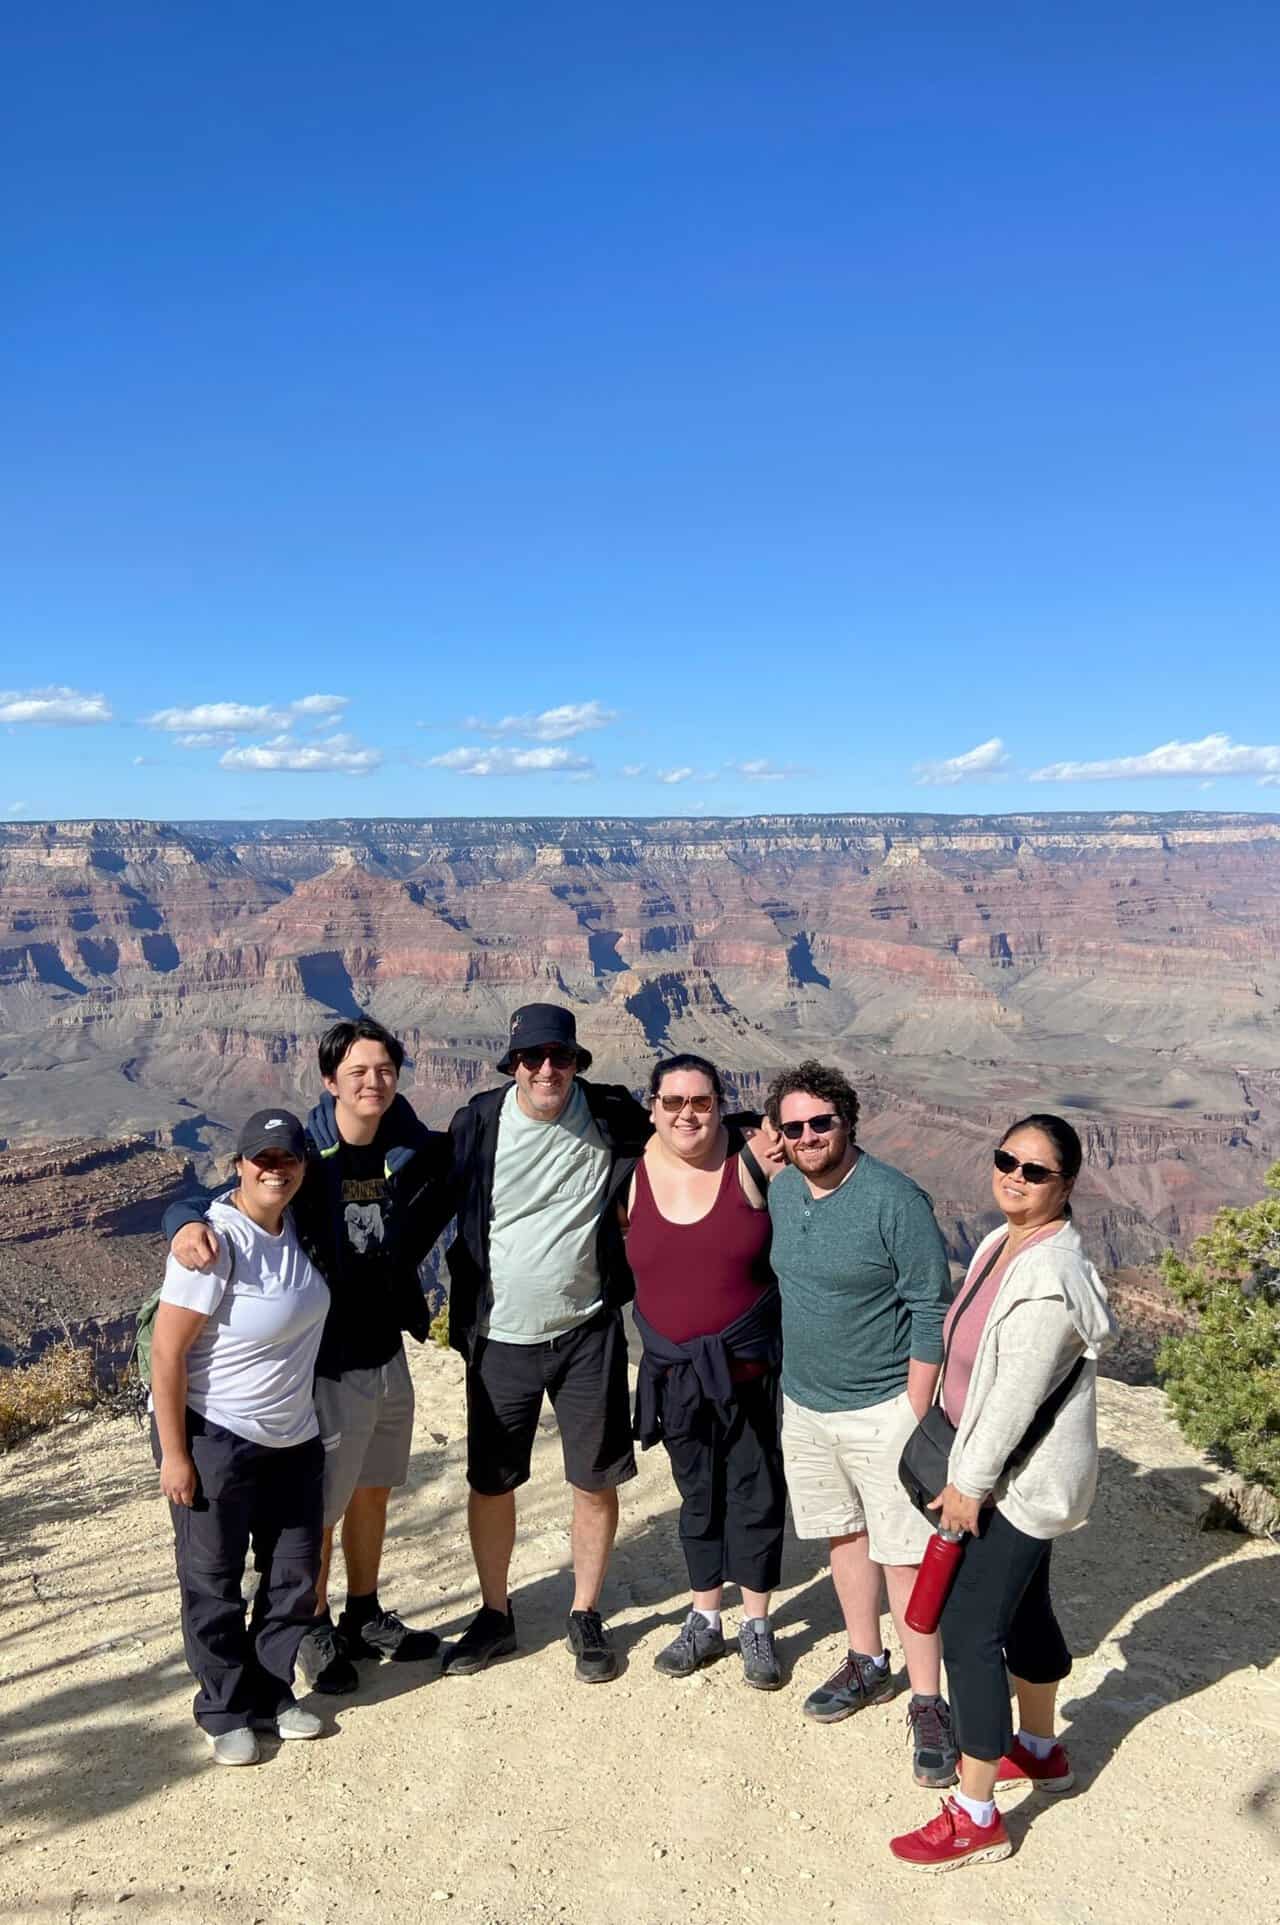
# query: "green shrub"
{"type": "Point", "coordinates": [1223, 1377]}
{"type": "Point", "coordinates": [440, 1326]}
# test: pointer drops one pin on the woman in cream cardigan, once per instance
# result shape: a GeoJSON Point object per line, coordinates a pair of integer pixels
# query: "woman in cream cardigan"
{"type": "Point", "coordinates": [1030, 1321]}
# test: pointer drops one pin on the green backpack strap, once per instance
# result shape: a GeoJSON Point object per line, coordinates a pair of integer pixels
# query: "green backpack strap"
{"type": "Point", "coordinates": [145, 1322]}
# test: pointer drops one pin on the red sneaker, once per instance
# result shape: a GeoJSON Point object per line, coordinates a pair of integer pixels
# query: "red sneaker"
{"type": "Point", "coordinates": [952, 1838]}
{"type": "Point", "coordinates": [1051, 1774]}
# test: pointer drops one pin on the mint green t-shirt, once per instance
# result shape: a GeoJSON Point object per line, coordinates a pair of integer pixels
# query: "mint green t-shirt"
{"type": "Point", "coordinates": [549, 1184]}
{"type": "Point", "coordinates": [865, 1285]}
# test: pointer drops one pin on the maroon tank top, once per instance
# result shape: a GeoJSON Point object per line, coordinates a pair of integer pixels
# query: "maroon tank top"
{"type": "Point", "coordinates": [695, 1279]}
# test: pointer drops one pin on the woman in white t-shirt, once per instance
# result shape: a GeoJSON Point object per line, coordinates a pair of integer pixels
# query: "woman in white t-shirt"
{"type": "Point", "coordinates": [236, 1440]}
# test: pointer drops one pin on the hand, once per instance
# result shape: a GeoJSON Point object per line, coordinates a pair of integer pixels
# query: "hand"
{"type": "Point", "coordinates": [958, 1512]}
{"type": "Point", "coordinates": [767, 1143]}
{"type": "Point", "coordinates": [178, 1479]}
{"type": "Point", "coordinates": [196, 1247]}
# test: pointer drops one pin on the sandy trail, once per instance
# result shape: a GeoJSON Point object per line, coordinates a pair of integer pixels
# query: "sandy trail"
{"type": "Point", "coordinates": [519, 1795]}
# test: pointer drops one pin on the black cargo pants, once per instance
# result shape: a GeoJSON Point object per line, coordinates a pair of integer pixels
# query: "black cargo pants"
{"type": "Point", "coordinates": [246, 1494]}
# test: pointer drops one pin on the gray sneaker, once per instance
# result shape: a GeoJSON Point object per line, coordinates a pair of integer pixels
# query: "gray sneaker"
{"type": "Point", "coordinates": [699, 1643]}
{"type": "Point", "coordinates": [935, 1754]}
{"type": "Point", "coordinates": [238, 1747]}
{"type": "Point", "coordinates": [292, 1722]}
{"type": "Point", "coordinates": [858, 1681]}
{"type": "Point", "coordinates": [760, 1665]}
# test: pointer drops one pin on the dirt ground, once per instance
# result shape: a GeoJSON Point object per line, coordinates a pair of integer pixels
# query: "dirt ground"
{"type": "Point", "coordinates": [518, 1795]}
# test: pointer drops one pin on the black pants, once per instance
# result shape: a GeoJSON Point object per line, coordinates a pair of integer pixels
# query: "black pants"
{"type": "Point", "coordinates": [998, 1618]}
{"type": "Point", "coordinates": [246, 1494]}
{"type": "Point", "coordinates": [734, 1493]}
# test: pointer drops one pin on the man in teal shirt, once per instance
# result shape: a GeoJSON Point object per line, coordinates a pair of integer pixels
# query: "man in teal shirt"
{"type": "Point", "coordinates": [865, 1285]}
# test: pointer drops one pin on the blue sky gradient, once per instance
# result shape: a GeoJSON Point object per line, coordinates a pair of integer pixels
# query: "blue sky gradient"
{"type": "Point", "coordinates": [808, 408]}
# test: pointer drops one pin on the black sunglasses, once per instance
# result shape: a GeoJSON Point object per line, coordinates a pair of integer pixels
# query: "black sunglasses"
{"type": "Point", "coordinates": [820, 1125]}
{"type": "Point", "coordinates": [1032, 1172]}
{"type": "Point", "coordinates": [555, 1053]}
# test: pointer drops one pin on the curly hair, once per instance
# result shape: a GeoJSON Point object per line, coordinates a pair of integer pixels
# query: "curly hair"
{"type": "Point", "coordinates": [812, 1078]}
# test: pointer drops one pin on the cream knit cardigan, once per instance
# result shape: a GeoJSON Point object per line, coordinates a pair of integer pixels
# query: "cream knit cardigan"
{"type": "Point", "coordinates": [1050, 1309]}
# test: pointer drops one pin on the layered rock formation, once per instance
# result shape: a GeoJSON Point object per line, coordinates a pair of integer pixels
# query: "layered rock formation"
{"type": "Point", "coordinates": [1124, 969]}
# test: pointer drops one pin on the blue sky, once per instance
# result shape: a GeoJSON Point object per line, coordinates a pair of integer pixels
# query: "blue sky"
{"type": "Point", "coordinates": [728, 408]}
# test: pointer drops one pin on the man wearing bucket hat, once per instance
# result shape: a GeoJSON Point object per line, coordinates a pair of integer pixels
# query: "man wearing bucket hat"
{"type": "Point", "coordinates": [538, 1275]}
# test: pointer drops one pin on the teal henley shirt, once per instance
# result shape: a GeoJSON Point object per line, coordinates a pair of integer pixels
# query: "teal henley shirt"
{"type": "Point", "coordinates": [865, 1285]}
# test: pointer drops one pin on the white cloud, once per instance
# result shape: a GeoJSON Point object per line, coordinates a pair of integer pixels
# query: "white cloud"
{"type": "Point", "coordinates": [1211, 755]}
{"type": "Point", "coordinates": [237, 716]}
{"type": "Point", "coordinates": [633, 769]}
{"type": "Point", "coordinates": [989, 758]}
{"type": "Point", "coordinates": [206, 739]}
{"type": "Point", "coordinates": [50, 706]}
{"type": "Point", "coordinates": [551, 725]}
{"type": "Point", "coordinates": [17, 808]}
{"type": "Point", "coordinates": [513, 762]}
{"type": "Point", "coordinates": [762, 770]}
{"type": "Point", "coordinates": [1269, 782]}
{"type": "Point", "coordinates": [676, 775]}
{"type": "Point", "coordinates": [339, 756]}
{"type": "Point", "coordinates": [219, 720]}
{"type": "Point", "coordinates": [320, 704]}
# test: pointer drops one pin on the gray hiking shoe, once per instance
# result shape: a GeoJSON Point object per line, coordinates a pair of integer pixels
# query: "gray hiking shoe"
{"type": "Point", "coordinates": [292, 1722]}
{"type": "Point", "coordinates": [760, 1665]}
{"type": "Point", "coordinates": [859, 1681]}
{"type": "Point", "coordinates": [935, 1754]}
{"type": "Point", "coordinates": [238, 1747]}
{"type": "Point", "coordinates": [698, 1643]}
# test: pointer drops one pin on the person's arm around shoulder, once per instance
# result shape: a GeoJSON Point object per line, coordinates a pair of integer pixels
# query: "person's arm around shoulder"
{"type": "Point", "coordinates": [191, 1242]}
{"type": "Point", "coordinates": [444, 1175]}
{"type": "Point", "coordinates": [190, 1297]}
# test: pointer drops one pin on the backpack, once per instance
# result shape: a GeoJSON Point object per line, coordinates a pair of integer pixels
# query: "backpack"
{"type": "Point", "coordinates": [144, 1324]}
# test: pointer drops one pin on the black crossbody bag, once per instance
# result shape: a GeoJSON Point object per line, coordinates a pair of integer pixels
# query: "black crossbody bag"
{"type": "Point", "coordinates": [922, 1468]}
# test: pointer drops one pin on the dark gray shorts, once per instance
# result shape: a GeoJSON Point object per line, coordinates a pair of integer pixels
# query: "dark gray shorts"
{"type": "Point", "coordinates": [366, 1427]}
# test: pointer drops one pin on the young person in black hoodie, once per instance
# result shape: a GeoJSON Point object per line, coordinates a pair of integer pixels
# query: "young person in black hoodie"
{"type": "Point", "coordinates": [370, 1161]}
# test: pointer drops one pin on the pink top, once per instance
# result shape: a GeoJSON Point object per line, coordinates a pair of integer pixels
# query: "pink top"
{"type": "Point", "coordinates": [969, 1327]}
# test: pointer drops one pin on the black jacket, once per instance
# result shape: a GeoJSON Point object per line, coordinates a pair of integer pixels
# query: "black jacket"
{"type": "Point", "coordinates": [677, 1380]}
{"type": "Point", "coordinates": [468, 1196]}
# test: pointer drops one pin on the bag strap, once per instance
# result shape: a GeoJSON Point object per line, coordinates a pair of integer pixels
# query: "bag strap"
{"type": "Point", "coordinates": [746, 1156]}
{"type": "Point", "coordinates": [1042, 1423]}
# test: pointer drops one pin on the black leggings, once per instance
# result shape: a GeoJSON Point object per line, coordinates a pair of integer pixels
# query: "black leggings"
{"type": "Point", "coordinates": [998, 1618]}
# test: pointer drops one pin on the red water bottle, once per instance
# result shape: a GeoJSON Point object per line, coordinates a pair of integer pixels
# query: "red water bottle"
{"type": "Point", "coordinates": [934, 1579]}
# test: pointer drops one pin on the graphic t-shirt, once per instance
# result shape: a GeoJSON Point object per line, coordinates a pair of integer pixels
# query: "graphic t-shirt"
{"type": "Point", "coordinates": [251, 1368]}
{"type": "Point", "coordinates": [364, 1329]}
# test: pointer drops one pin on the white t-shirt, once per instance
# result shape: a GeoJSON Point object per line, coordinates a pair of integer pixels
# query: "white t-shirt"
{"type": "Point", "coordinates": [549, 1182]}
{"type": "Point", "coordinates": [251, 1368]}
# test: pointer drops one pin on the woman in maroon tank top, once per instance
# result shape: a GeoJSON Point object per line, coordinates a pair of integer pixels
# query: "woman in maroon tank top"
{"type": "Point", "coordinates": [698, 1237]}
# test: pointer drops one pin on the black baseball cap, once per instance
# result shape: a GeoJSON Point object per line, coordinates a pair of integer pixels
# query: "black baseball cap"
{"type": "Point", "coordinates": [543, 1026]}
{"type": "Point", "coordinates": [272, 1130]}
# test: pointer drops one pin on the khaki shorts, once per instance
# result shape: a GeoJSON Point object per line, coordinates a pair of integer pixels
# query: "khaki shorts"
{"type": "Point", "coordinates": [366, 1427]}
{"type": "Point", "coordinates": [842, 1477]}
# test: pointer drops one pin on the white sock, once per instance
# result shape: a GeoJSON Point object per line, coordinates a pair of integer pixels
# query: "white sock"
{"type": "Point", "coordinates": [712, 1617]}
{"type": "Point", "coordinates": [759, 1624]}
{"type": "Point", "coordinates": [1038, 1747]}
{"type": "Point", "coordinates": [981, 1810]}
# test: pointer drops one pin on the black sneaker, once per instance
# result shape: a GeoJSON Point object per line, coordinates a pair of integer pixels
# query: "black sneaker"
{"type": "Point", "coordinates": [589, 1642]}
{"type": "Point", "coordinates": [858, 1682]}
{"type": "Point", "coordinates": [697, 1642]}
{"type": "Point", "coordinates": [935, 1754]}
{"type": "Point", "coordinates": [324, 1657]}
{"type": "Point", "coordinates": [384, 1635]}
{"type": "Point", "coordinates": [490, 1635]}
{"type": "Point", "coordinates": [760, 1665]}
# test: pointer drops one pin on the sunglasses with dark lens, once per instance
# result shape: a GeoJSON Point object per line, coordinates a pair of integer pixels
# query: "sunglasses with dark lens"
{"type": "Point", "coordinates": [556, 1054]}
{"type": "Point", "coordinates": [700, 1105]}
{"type": "Point", "coordinates": [820, 1125]}
{"type": "Point", "coordinates": [1032, 1172]}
